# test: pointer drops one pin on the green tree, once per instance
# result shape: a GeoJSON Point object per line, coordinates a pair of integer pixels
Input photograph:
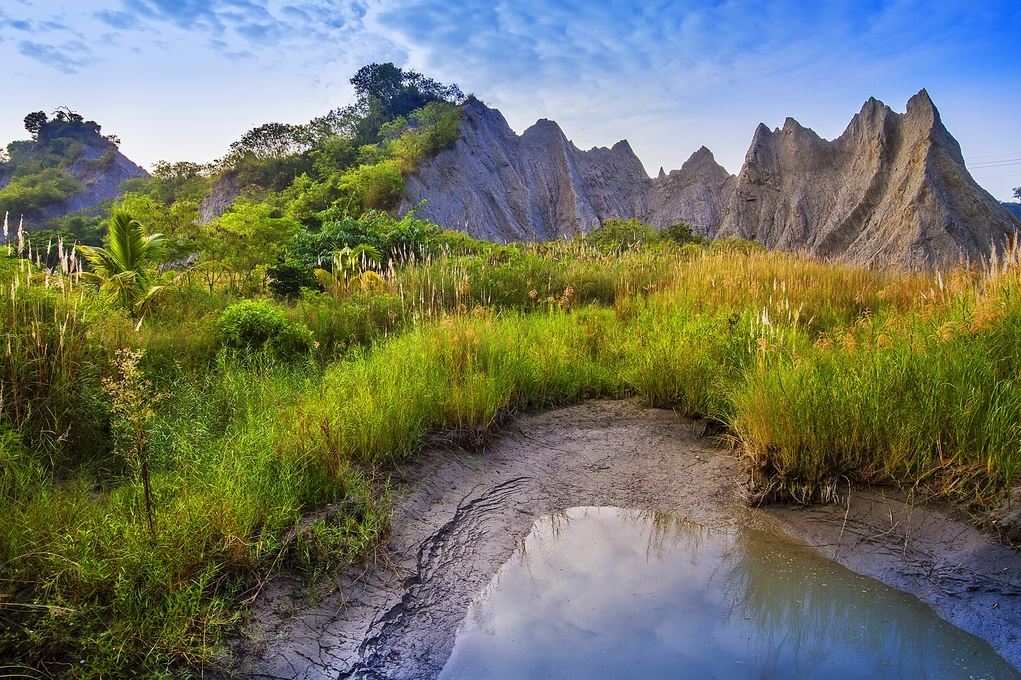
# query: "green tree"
{"type": "Point", "coordinates": [126, 267]}
{"type": "Point", "coordinates": [1017, 193]}
{"type": "Point", "coordinates": [680, 234]}
{"type": "Point", "coordinates": [35, 120]}
{"type": "Point", "coordinates": [617, 235]}
{"type": "Point", "coordinates": [243, 243]}
{"type": "Point", "coordinates": [398, 91]}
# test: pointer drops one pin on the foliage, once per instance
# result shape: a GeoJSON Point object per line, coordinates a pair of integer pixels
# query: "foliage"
{"type": "Point", "coordinates": [400, 92]}
{"type": "Point", "coordinates": [616, 235]}
{"type": "Point", "coordinates": [353, 159]}
{"type": "Point", "coordinates": [253, 326]}
{"type": "Point", "coordinates": [34, 122]}
{"type": "Point", "coordinates": [395, 240]}
{"type": "Point", "coordinates": [681, 233]}
{"type": "Point", "coordinates": [821, 371]}
{"type": "Point", "coordinates": [126, 267]}
{"type": "Point", "coordinates": [243, 243]}
{"type": "Point", "coordinates": [288, 278]}
{"type": "Point", "coordinates": [29, 194]}
{"type": "Point", "coordinates": [1017, 193]}
{"type": "Point", "coordinates": [133, 399]}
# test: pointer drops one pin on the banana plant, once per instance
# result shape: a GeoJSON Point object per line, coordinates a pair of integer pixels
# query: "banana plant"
{"type": "Point", "coordinates": [350, 270]}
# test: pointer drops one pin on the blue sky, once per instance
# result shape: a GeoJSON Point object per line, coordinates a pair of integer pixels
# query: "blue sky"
{"type": "Point", "coordinates": [181, 79]}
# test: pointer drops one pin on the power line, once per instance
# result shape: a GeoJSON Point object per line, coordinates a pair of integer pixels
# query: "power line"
{"type": "Point", "coordinates": [994, 155]}
{"type": "Point", "coordinates": [999, 164]}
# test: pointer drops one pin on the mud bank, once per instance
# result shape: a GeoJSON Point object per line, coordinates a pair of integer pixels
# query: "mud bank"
{"type": "Point", "coordinates": [464, 514]}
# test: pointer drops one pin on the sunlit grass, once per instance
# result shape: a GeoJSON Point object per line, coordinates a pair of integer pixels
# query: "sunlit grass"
{"type": "Point", "coordinates": [822, 373]}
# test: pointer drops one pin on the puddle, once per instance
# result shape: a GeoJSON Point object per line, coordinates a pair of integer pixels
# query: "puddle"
{"type": "Point", "coordinates": [610, 593]}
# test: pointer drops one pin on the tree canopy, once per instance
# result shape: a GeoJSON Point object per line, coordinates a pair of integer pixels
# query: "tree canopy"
{"type": "Point", "coordinates": [400, 92]}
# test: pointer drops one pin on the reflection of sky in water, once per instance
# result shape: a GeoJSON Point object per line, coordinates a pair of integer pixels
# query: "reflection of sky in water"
{"type": "Point", "coordinates": [607, 593]}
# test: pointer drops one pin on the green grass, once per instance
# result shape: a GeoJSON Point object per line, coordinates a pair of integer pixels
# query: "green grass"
{"type": "Point", "coordinates": [821, 373]}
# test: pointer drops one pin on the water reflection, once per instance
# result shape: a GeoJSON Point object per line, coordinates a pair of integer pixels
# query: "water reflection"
{"type": "Point", "coordinates": [610, 593]}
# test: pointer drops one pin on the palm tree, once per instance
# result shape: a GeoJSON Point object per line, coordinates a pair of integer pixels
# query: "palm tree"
{"type": "Point", "coordinates": [126, 267]}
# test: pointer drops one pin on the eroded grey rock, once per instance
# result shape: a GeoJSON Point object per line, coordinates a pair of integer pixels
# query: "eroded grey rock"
{"type": "Point", "coordinates": [221, 196]}
{"type": "Point", "coordinates": [496, 185]}
{"type": "Point", "coordinates": [893, 189]}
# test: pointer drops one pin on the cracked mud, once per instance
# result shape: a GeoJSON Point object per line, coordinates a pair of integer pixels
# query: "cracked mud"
{"type": "Point", "coordinates": [464, 514]}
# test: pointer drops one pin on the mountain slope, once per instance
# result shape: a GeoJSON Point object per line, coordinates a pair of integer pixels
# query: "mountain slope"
{"type": "Point", "coordinates": [69, 167]}
{"type": "Point", "coordinates": [497, 185]}
{"type": "Point", "coordinates": [892, 189]}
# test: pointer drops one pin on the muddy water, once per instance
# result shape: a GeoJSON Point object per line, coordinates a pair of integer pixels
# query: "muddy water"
{"type": "Point", "coordinates": [610, 593]}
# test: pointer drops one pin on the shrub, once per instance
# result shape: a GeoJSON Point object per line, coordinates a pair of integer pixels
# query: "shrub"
{"type": "Point", "coordinates": [617, 235]}
{"type": "Point", "coordinates": [287, 278]}
{"type": "Point", "coordinates": [681, 234]}
{"type": "Point", "coordinates": [255, 326]}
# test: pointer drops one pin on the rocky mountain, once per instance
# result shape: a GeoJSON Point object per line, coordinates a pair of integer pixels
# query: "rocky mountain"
{"type": "Point", "coordinates": [698, 194]}
{"type": "Point", "coordinates": [101, 172]}
{"type": "Point", "coordinates": [892, 189]}
{"type": "Point", "coordinates": [1013, 208]}
{"type": "Point", "coordinates": [500, 186]}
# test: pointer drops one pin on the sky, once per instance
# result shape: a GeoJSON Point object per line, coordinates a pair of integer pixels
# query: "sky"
{"type": "Point", "coordinates": [182, 79]}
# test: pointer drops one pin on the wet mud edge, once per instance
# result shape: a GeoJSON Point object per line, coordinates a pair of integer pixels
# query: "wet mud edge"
{"type": "Point", "coordinates": [463, 514]}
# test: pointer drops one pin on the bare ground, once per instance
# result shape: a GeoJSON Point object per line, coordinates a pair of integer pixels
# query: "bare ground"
{"type": "Point", "coordinates": [463, 514]}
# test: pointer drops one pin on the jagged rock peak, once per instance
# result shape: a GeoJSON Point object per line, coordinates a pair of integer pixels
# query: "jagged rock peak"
{"type": "Point", "coordinates": [892, 189]}
{"type": "Point", "coordinates": [921, 105]}
{"type": "Point", "coordinates": [544, 127]}
{"type": "Point", "coordinates": [502, 186]}
{"type": "Point", "coordinates": [623, 146]}
{"type": "Point", "coordinates": [703, 156]}
{"type": "Point", "coordinates": [791, 124]}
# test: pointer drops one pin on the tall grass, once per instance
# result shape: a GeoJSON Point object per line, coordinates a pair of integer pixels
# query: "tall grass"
{"type": "Point", "coordinates": [821, 372]}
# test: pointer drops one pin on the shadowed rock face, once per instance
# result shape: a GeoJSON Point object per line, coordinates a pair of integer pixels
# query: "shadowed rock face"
{"type": "Point", "coordinates": [698, 194]}
{"type": "Point", "coordinates": [497, 185]}
{"type": "Point", "coordinates": [892, 189]}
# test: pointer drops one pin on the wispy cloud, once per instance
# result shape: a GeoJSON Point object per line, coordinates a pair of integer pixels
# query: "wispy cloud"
{"type": "Point", "coordinates": [67, 57]}
{"type": "Point", "coordinates": [121, 20]}
{"type": "Point", "coordinates": [667, 74]}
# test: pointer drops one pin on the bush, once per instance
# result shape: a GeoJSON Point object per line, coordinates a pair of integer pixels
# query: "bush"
{"type": "Point", "coordinates": [255, 326]}
{"type": "Point", "coordinates": [614, 236]}
{"type": "Point", "coordinates": [681, 234]}
{"type": "Point", "coordinates": [288, 278]}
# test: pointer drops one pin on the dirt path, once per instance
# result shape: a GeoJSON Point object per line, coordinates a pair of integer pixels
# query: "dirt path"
{"type": "Point", "coordinates": [465, 513]}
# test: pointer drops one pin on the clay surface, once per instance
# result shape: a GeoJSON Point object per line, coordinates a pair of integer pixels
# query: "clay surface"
{"type": "Point", "coordinates": [462, 515]}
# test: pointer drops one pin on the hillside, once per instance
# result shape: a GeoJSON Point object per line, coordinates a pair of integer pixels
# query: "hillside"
{"type": "Point", "coordinates": [67, 168]}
